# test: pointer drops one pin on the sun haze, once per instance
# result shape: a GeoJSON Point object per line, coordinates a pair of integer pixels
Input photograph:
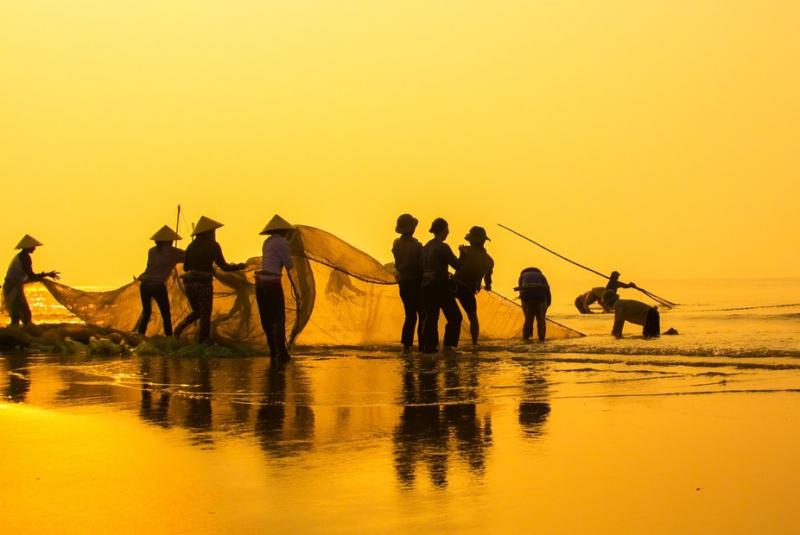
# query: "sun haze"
{"type": "Point", "coordinates": [656, 138]}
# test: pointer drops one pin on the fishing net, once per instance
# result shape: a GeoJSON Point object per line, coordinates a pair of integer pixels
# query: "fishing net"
{"type": "Point", "coordinates": [335, 294]}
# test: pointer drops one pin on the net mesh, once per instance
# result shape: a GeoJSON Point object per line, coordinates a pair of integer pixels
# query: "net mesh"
{"type": "Point", "coordinates": [336, 294]}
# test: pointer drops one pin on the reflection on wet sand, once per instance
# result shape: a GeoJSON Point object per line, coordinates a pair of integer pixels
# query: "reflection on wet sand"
{"type": "Point", "coordinates": [534, 407]}
{"type": "Point", "coordinates": [18, 378]}
{"type": "Point", "coordinates": [440, 419]}
{"type": "Point", "coordinates": [281, 434]}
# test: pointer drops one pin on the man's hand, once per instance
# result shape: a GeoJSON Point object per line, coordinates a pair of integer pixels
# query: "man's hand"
{"type": "Point", "coordinates": [488, 288]}
{"type": "Point", "coordinates": [55, 275]}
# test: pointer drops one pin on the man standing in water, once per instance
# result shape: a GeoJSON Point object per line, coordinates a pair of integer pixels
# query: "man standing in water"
{"type": "Point", "coordinates": [634, 312]}
{"type": "Point", "coordinates": [198, 265]}
{"type": "Point", "coordinates": [161, 260]}
{"type": "Point", "coordinates": [436, 292]}
{"type": "Point", "coordinates": [20, 272]}
{"type": "Point", "coordinates": [275, 256]}
{"type": "Point", "coordinates": [407, 252]}
{"type": "Point", "coordinates": [475, 264]}
{"type": "Point", "coordinates": [534, 293]}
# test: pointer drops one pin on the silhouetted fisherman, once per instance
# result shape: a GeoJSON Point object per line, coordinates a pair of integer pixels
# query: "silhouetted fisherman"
{"type": "Point", "coordinates": [20, 272]}
{"type": "Point", "coordinates": [585, 300]}
{"type": "Point", "coordinates": [436, 291]}
{"type": "Point", "coordinates": [534, 293]}
{"type": "Point", "coordinates": [407, 251]}
{"type": "Point", "coordinates": [275, 256]}
{"type": "Point", "coordinates": [198, 266]}
{"type": "Point", "coordinates": [614, 283]}
{"type": "Point", "coordinates": [475, 265]}
{"type": "Point", "coordinates": [161, 261]}
{"type": "Point", "coordinates": [634, 312]}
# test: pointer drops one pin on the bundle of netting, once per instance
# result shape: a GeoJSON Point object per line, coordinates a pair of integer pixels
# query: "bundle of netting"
{"type": "Point", "coordinates": [335, 295]}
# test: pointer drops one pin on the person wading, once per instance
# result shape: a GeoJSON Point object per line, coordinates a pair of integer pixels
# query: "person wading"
{"type": "Point", "coordinates": [20, 272]}
{"type": "Point", "coordinates": [475, 264]}
{"type": "Point", "coordinates": [595, 295]}
{"type": "Point", "coordinates": [275, 256]}
{"type": "Point", "coordinates": [534, 293]}
{"type": "Point", "coordinates": [198, 266]}
{"type": "Point", "coordinates": [436, 291]}
{"type": "Point", "coordinates": [407, 251]}
{"type": "Point", "coordinates": [634, 312]}
{"type": "Point", "coordinates": [161, 260]}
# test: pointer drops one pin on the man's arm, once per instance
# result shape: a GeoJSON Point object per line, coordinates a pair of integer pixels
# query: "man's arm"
{"type": "Point", "coordinates": [487, 279]}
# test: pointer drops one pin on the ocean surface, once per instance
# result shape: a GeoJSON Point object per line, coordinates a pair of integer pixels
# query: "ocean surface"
{"type": "Point", "coordinates": [696, 432]}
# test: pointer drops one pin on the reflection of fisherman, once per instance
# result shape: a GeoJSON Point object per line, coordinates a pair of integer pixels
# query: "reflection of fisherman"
{"type": "Point", "coordinates": [595, 295]}
{"type": "Point", "coordinates": [634, 312]}
{"type": "Point", "coordinates": [20, 272]}
{"type": "Point", "coordinates": [338, 282]}
{"type": "Point", "coordinates": [475, 264]}
{"type": "Point", "coordinates": [436, 295]}
{"type": "Point", "coordinates": [275, 256]}
{"type": "Point", "coordinates": [161, 260]}
{"type": "Point", "coordinates": [534, 293]}
{"type": "Point", "coordinates": [201, 255]}
{"type": "Point", "coordinates": [407, 252]}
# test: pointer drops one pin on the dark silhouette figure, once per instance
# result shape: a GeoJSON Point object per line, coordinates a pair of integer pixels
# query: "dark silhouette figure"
{"type": "Point", "coordinates": [275, 256]}
{"type": "Point", "coordinates": [437, 292]}
{"type": "Point", "coordinates": [614, 283]}
{"type": "Point", "coordinates": [284, 427]}
{"type": "Point", "coordinates": [585, 300]}
{"type": "Point", "coordinates": [19, 381]}
{"type": "Point", "coordinates": [154, 370]}
{"type": "Point", "coordinates": [20, 272]}
{"type": "Point", "coordinates": [534, 293]}
{"type": "Point", "coordinates": [474, 264]}
{"type": "Point", "coordinates": [198, 414]}
{"type": "Point", "coordinates": [634, 312]}
{"type": "Point", "coordinates": [407, 252]}
{"type": "Point", "coordinates": [161, 261]}
{"type": "Point", "coordinates": [201, 255]}
{"type": "Point", "coordinates": [438, 423]}
{"type": "Point", "coordinates": [534, 407]}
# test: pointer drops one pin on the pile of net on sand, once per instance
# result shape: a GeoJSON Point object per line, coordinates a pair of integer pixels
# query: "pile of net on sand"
{"type": "Point", "coordinates": [335, 295]}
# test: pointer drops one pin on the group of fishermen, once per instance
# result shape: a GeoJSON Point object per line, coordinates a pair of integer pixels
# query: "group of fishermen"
{"type": "Point", "coordinates": [426, 286]}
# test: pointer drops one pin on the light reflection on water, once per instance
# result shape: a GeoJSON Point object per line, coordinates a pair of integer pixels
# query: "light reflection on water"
{"type": "Point", "coordinates": [438, 444]}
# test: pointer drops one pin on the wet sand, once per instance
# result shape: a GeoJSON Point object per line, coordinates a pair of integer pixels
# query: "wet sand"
{"type": "Point", "coordinates": [364, 440]}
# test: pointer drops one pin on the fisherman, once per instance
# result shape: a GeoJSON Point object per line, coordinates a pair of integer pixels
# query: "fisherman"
{"type": "Point", "coordinates": [198, 265]}
{"type": "Point", "coordinates": [595, 295]}
{"type": "Point", "coordinates": [436, 291]}
{"type": "Point", "coordinates": [275, 256]}
{"type": "Point", "coordinates": [407, 252]}
{"type": "Point", "coordinates": [20, 272]}
{"type": "Point", "coordinates": [475, 264]}
{"type": "Point", "coordinates": [161, 261]}
{"type": "Point", "coordinates": [534, 293]}
{"type": "Point", "coordinates": [634, 312]}
{"type": "Point", "coordinates": [614, 283]}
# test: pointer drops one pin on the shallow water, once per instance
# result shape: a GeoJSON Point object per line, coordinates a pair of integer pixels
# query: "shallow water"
{"type": "Point", "coordinates": [693, 433]}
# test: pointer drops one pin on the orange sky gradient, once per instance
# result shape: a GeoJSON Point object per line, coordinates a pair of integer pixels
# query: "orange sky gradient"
{"type": "Point", "coordinates": [657, 138]}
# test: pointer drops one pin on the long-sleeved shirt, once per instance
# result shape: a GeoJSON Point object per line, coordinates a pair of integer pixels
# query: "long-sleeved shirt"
{"type": "Point", "coordinates": [202, 254]}
{"type": "Point", "coordinates": [160, 263]}
{"type": "Point", "coordinates": [407, 251]}
{"type": "Point", "coordinates": [475, 264]}
{"type": "Point", "coordinates": [629, 310]}
{"type": "Point", "coordinates": [20, 270]}
{"type": "Point", "coordinates": [436, 257]}
{"type": "Point", "coordinates": [275, 255]}
{"type": "Point", "coordinates": [533, 286]}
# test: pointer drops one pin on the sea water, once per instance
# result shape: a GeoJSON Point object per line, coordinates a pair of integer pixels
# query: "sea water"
{"type": "Point", "coordinates": [694, 432]}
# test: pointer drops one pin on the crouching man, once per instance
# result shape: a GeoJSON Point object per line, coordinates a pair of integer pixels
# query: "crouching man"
{"type": "Point", "coordinates": [634, 312]}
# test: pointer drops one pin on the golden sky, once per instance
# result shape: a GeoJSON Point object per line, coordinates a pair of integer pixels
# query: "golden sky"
{"type": "Point", "coordinates": [658, 138]}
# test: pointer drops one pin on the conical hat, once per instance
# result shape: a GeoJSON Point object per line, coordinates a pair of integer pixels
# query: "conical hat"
{"type": "Point", "coordinates": [27, 242]}
{"type": "Point", "coordinates": [204, 224]}
{"type": "Point", "coordinates": [165, 234]}
{"type": "Point", "coordinates": [276, 223]}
